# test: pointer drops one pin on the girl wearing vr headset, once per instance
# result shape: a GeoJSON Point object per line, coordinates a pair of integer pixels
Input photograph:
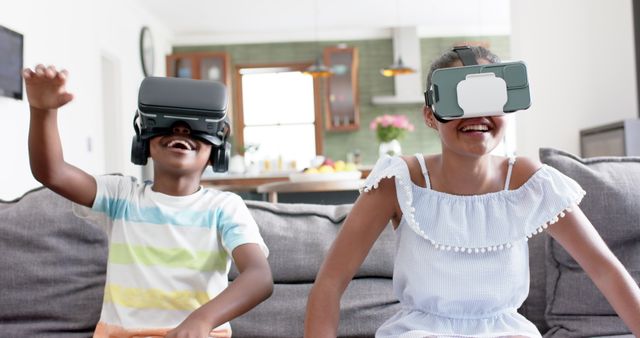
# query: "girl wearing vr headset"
{"type": "Point", "coordinates": [171, 241]}
{"type": "Point", "coordinates": [462, 219]}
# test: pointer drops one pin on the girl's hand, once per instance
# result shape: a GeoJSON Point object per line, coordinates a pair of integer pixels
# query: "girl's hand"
{"type": "Point", "coordinates": [191, 328]}
{"type": "Point", "coordinates": [46, 87]}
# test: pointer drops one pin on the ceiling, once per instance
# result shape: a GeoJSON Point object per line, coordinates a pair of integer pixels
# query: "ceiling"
{"type": "Point", "coordinates": [242, 21]}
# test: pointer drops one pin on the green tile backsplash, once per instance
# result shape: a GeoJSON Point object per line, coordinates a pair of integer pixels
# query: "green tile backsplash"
{"type": "Point", "coordinates": [373, 55]}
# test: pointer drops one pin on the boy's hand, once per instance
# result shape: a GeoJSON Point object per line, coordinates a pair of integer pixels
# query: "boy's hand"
{"type": "Point", "coordinates": [46, 87]}
{"type": "Point", "coordinates": [191, 328]}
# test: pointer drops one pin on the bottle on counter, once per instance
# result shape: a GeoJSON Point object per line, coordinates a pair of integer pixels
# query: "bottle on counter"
{"type": "Point", "coordinates": [357, 157]}
{"type": "Point", "coordinates": [237, 165]}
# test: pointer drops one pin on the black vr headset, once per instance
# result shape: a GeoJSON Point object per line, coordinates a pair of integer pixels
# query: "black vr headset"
{"type": "Point", "coordinates": [165, 101]}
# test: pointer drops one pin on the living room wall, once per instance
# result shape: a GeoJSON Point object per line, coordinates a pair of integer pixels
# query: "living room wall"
{"type": "Point", "coordinates": [581, 60]}
{"type": "Point", "coordinates": [77, 35]}
{"type": "Point", "coordinates": [373, 55]}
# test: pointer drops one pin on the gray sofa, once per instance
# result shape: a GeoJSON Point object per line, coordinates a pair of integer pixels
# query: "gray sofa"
{"type": "Point", "coordinates": [52, 264]}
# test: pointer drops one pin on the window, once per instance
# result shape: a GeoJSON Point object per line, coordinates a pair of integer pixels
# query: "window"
{"type": "Point", "coordinates": [278, 113]}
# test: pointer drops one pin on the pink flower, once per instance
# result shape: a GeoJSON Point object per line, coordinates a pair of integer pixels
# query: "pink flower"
{"type": "Point", "coordinates": [401, 121]}
{"type": "Point", "coordinates": [387, 120]}
{"type": "Point", "coordinates": [389, 127]}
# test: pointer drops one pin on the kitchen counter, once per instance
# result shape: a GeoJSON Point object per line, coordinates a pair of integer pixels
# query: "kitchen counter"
{"type": "Point", "coordinates": [272, 189]}
{"type": "Point", "coordinates": [250, 183]}
{"type": "Point", "coordinates": [242, 182]}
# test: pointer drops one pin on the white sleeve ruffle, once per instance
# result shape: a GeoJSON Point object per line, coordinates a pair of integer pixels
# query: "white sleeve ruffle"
{"type": "Point", "coordinates": [480, 223]}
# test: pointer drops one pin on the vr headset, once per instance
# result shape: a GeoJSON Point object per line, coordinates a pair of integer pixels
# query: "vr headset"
{"type": "Point", "coordinates": [165, 101]}
{"type": "Point", "coordinates": [477, 90]}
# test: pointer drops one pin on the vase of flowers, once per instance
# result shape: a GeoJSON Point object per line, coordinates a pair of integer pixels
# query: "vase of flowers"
{"type": "Point", "coordinates": [389, 129]}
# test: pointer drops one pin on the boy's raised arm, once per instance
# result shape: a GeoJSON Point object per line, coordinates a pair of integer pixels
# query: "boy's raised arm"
{"type": "Point", "coordinates": [46, 93]}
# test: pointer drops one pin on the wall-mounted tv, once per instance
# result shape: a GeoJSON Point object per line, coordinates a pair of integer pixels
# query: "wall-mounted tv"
{"type": "Point", "coordinates": [10, 63]}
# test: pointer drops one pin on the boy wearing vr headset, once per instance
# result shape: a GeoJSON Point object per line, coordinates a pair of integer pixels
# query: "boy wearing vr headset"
{"type": "Point", "coordinates": [170, 241]}
{"type": "Point", "coordinates": [463, 217]}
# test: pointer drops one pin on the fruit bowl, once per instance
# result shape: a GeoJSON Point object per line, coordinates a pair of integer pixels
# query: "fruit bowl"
{"type": "Point", "coordinates": [335, 176]}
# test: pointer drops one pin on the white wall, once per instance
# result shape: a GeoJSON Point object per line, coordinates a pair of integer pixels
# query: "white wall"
{"type": "Point", "coordinates": [581, 63]}
{"type": "Point", "coordinates": [76, 35]}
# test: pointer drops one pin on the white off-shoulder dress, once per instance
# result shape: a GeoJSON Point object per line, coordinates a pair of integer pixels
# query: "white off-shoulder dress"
{"type": "Point", "coordinates": [462, 262]}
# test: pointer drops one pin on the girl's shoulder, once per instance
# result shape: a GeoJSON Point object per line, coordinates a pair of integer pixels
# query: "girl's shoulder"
{"type": "Point", "coordinates": [386, 167]}
{"type": "Point", "coordinates": [523, 169]}
{"type": "Point", "coordinates": [415, 171]}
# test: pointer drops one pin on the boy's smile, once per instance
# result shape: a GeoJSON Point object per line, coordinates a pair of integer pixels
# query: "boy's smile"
{"type": "Point", "coordinates": [179, 144]}
{"type": "Point", "coordinates": [179, 151]}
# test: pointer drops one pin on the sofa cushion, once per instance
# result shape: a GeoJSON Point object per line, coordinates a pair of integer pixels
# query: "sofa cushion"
{"type": "Point", "coordinates": [534, 306]}
{"type": "Point", "coordinates": [365, 305]}
{"type": "Point", "coordinates": [53, 266]}
{"type": "Point", "coordinates": [575, 307]}
{"type": "Point", "coordinates": [299, 236]}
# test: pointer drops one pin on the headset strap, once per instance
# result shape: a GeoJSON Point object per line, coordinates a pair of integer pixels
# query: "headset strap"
{"type": "Point", "coordinates": [466, 55]}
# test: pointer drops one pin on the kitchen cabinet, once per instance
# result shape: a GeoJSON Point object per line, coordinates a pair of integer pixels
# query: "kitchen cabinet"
{"type": "Point", "coordinates": [200, 65]}
{"type": "Point", "coordinates": [341, 91]}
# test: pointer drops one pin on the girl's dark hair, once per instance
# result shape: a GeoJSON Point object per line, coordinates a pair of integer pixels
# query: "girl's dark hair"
{"type": "Point", "coordinates": [449, 57]}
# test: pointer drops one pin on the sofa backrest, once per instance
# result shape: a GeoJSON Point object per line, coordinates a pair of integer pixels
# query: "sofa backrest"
{"type": "Point", "coordinates": [299, 236]}
{"type": "Point", "coordinates": [534, 306]}
{"type": "Point", "coordinates": [575, 307]}
{"type": "Point", "coordinates": [52, 268]}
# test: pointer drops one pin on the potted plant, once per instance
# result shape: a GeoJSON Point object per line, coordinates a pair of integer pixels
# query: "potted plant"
{"type": "Point", "coordinates": [389, 129]}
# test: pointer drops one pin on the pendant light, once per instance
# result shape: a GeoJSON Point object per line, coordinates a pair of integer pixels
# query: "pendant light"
{"type": "Point", "coordinates": [318, 69]}
{"type": "Point", "coordinates": [398, 67]}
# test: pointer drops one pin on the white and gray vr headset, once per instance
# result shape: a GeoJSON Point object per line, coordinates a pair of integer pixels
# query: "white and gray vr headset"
{"type": "Point", "coordinates": [477, 90]}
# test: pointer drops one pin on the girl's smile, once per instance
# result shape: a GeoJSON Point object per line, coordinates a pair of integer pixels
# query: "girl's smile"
{"type": "Point", "coordinates": [477, 135]}
{"type": "Point", "coordinates": [476, 127]}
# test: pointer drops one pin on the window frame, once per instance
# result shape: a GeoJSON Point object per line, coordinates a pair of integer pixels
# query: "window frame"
{"type": "Point", "coordinates": [239, 112]}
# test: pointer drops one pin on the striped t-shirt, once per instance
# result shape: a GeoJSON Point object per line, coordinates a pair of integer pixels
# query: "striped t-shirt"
{"type": "Point", "coordinates": [168, 255]}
